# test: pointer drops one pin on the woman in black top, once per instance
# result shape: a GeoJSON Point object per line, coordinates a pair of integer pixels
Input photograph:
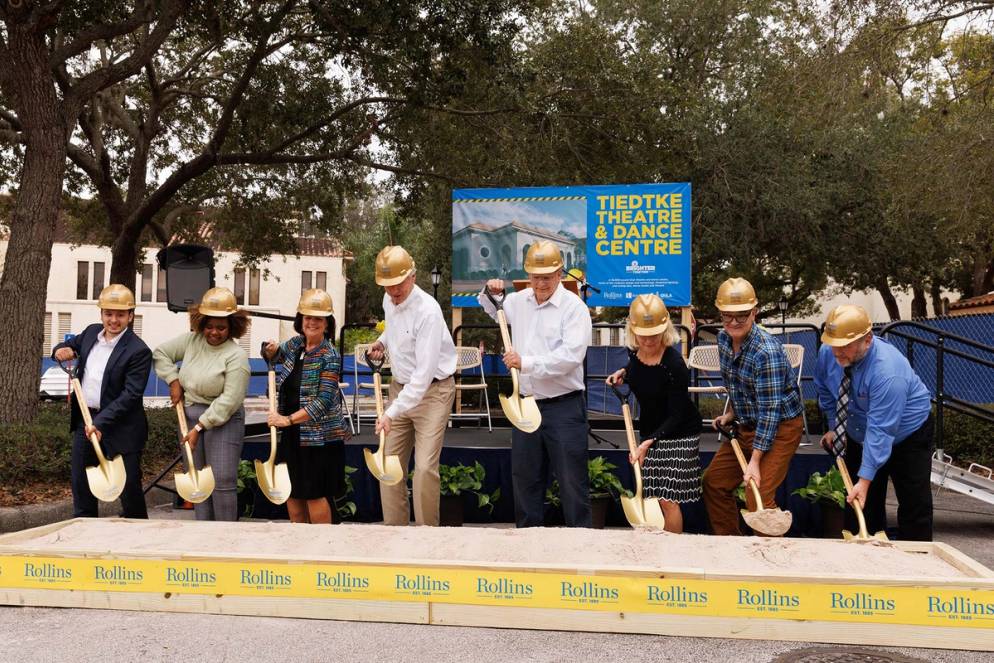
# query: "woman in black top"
{"type": "Point", "coordinates": [669, 423]}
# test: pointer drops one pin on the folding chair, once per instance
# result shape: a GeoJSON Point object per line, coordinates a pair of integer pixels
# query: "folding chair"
{"type": "Point", "coordinates": [467, 358]}
{"type": "Point", "coordinates": [704, 359]}
{"type": "Point", "coordinates": [342, 386]}
{"type": "Point", "coordinates": [360, 359]}
{"type": "Point", "coordinates": [795, 355]}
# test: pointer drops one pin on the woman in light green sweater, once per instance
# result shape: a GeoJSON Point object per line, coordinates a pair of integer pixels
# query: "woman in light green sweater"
{"type": "Point", "coordinates": [211, 383]}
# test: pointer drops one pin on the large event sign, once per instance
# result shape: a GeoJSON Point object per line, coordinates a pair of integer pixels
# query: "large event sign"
{"type": "Point", "coordinates": [626, 239]}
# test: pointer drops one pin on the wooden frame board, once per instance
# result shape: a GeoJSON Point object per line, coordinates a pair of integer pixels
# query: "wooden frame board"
{"type": "Point", "coordinates": [944, 612]}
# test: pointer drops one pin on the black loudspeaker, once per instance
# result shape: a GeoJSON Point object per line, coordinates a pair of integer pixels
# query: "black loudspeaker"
{"type": "Point", "coordinates": [189, 274]}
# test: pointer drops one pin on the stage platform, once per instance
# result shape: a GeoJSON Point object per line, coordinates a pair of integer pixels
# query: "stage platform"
{"type": "Point", "coordinates": [467, 445]}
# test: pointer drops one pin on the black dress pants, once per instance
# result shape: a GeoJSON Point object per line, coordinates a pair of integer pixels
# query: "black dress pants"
{"type": "Point", "coordinates": [910, 468]}
{"type": "Point", "coordinates": [83, 502]}
{"type": "Point", "coordinates": [559, 445]}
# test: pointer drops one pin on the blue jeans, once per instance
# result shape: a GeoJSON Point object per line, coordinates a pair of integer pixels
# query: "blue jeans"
{"type": "Point", "coordinates": [559, 445]}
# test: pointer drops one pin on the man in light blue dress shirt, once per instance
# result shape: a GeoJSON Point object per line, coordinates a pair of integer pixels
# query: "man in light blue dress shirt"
{"type": "Point", "coordinates": [887, 422]}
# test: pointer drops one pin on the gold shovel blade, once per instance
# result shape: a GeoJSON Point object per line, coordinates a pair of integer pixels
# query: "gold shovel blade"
{"type": "Point", "coordinates": [643, 513]}
{"type": "Point", "coordinates": [195, 490]}
{"type": "Point", "coordinates": [276, 490]}
{"type": "Point", "coordinates": [522, 412]}
{"type": "Point", "coordinates": [771, 522]}
{"type": "Point", "coordinates": [107, 479]}
{"type": "Point", "coordinates": [859, 538]}
{"type": "Point", "coordinates": [391, 473]}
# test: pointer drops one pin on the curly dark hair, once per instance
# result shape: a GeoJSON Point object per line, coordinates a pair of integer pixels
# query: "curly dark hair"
{"type": "Point", "coordinates": [329, 331]}
{"type": "Point", "coordinates": [238, 322]}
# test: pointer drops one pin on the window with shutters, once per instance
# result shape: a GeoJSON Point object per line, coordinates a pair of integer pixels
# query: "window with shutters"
{"type": "Point", "coordinates": [64, 328]}
{"type": "Point", "coordinates": [98, 279]}
{"type": "Point", "coordinates": [321, 280]}
{"type": "Point", "coordinates": [245, 342]}
{"type": "Point", "coordinates": [160, 289]}
{"type": "Point", "coordinates": [239, 289]}
{"type": "Point", "coordinates": [305, 281]}
{"type": "Point", "coordinates": [255, 284]}
{"type": "Point", "coordinates": [146, 275]}
{"type": "Point", "coordinates": [82, 279]}
{"type": "Point", "coordinates": [47, 348]}
{"type": "Point", "coordinates": [136, 326]}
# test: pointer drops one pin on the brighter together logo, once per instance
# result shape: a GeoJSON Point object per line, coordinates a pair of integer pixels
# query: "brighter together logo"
{"type": "Point", "coordinates": [635, 268]}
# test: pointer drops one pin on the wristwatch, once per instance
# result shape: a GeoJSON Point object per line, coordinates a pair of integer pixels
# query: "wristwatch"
{"type": "Point", "coordinates": [198, 428]}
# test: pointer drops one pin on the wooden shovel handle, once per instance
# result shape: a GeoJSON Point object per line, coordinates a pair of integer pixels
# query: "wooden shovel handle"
{"type": "Point", "coordinates": [505, 338]}
{"type": "Point", "coordinates": [742, 463]}
{"type": "Point", "coordinates": [857, 507]}
{"type": "Point", "coordinates": [272, 409]}
{"type": "Point", "coordinates": [183, 430]}
{"type": "Point", "coordinates": [77, 389]}
{"type": "Point", "coordinates": [632, 448]}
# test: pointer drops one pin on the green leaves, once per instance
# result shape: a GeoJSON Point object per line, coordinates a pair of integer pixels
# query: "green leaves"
{"type": "Point", "coordinates": [825, 488]}
{"type": "Point", "coordinates": [456, 479]}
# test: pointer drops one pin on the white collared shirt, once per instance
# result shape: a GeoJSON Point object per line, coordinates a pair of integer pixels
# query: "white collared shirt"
{"type": "Point", "coordinates": [552, 339]}
{"type": "Point", "coordinates": [420, 347]}
{"type": "Point", "coordinates": [96, 364]}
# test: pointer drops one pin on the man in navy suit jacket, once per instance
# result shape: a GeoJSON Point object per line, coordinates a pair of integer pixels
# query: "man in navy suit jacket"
{"type": "Point", "coordinates": [113, 369]}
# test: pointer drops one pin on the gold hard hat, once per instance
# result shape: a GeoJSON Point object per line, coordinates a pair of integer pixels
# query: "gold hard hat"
{"type": "Point", "coordinates": [543, 257]}
{"type": "Point", "coordinates": [648, 315]}
{"type": "Point", "coordinates": [736, 294]}
{"type": "Point", "coordinates": [218, 303]}
{"type": "Point", "coordinates": [116, 297]}
{"type": "Point", "coordinates": [315, 302]}
{"type": "Point", "coordinates": [393, 265]}
{"type": "Point", "coordinates": [845, 324]}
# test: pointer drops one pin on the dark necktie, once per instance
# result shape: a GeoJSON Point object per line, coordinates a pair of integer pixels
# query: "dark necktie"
{"type": "Point", "coordinates": [842, 412]}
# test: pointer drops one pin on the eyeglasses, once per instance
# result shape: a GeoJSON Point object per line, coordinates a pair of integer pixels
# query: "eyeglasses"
{"type": "Point", "coordinates": [737, 317]}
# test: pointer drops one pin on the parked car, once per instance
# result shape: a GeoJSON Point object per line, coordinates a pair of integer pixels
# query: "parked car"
{"type": "Point", "coordinates": [54, 384]}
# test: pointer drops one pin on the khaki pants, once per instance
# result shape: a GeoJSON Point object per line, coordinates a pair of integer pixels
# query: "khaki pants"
{"type": "Point", "coordinates": [724, 475]}
{"type": "Point", "coordinates": [422, 428]}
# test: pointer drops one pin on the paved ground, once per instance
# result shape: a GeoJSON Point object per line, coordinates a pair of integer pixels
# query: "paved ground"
{"type": "Point", "coordinates": [41, 634]}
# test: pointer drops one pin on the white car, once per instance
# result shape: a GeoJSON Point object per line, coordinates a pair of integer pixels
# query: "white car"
{"type": "Point", "coordinates": [54, 384]}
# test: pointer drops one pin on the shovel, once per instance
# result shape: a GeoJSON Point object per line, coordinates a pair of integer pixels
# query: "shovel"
{"type": "Point", "coordinates": [521, 411]}
{"type": "Point", "coordinates": [771, 522]}
{"type": "Point", "coordinates": [273, 479]}
{"type": "Point", "coordinates": [386, 469]}
{"type": "Point", "coordinates": [193, 485]}
{"type": "Point", "coordinates": [107, 478]}
{"type": "Point", "coordinates": [639, 511]}
{"type": "Point", "coordinates": [863, 535]}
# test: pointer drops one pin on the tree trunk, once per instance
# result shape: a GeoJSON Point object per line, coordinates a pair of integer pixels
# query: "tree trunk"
{"type": "Point", "coordinates": [24, 284]}
{"type": "Point", "coordinates": [883, 287]}
{"type": "Point", "coordinates": [919, 305]}
{"type": "Point", "coordinates": [938, 306]}
{"type": "Point", "coordinates": [124, 260]}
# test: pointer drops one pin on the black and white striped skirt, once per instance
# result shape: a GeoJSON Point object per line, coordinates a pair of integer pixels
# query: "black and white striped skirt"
{"type": "Point", "coordinates": [672, 470]}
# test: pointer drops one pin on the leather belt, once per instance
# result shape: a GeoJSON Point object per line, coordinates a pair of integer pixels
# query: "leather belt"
{"type": "Point", "coordinates": [561, 397]}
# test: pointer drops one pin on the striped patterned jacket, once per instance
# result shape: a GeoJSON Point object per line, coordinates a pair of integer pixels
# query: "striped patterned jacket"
{"type": "Point", "coordinates": [320, 396]}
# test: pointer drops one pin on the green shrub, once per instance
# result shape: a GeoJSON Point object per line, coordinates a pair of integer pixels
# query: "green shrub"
{"type": "Point", "coordinates": [968, 439]}
{"type": "Point", "coordinates": [40, 451]}
{"type": "Point", "coordinates": [454, 479]}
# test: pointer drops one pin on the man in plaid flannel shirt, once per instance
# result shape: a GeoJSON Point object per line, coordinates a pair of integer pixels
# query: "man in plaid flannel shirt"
{"type": "Point", "coordinates": [763, 397]}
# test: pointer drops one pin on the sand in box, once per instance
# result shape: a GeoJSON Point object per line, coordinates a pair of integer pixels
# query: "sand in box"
{"type": "Point", "coordinates": [557, 547]}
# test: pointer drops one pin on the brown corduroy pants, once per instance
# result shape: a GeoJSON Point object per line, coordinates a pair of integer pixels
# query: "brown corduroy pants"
{"type": "Point", "coordinates": [724, 475]}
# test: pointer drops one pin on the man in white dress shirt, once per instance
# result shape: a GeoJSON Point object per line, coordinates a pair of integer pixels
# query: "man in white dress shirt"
{"type": "Point", "coordinates": [550, 330]}
{"type": "Point", "coordinates": [422, 361]}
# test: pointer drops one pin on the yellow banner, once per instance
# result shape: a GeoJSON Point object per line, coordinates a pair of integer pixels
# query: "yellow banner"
{"type": "Point", "coordinates": [872, 604]}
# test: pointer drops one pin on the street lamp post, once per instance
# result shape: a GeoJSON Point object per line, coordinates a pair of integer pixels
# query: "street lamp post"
{"type": "Point", "coordinates": [782, 305]}
{"type": "Point", "coordinates": [436, 278]}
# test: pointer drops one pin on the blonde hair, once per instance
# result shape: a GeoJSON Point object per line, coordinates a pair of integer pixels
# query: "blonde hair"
{"type": "Point", "coordinates": [670, 336]}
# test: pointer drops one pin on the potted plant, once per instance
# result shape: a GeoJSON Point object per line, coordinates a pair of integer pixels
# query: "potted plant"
{"type": "Point", "coordinates": [828, 491]}
{"type": "Point", "coordinates": [605, 486]}
{"type": "Point", "coordinates": [454, 481]}
{"type": "Point", "coordinates": [246, 483]}
{"type": "Point", "coordinates": [345, 509]}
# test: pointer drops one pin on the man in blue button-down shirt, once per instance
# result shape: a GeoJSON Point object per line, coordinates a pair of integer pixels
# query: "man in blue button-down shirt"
{"type": "Point", "coordinates": [888, 418]}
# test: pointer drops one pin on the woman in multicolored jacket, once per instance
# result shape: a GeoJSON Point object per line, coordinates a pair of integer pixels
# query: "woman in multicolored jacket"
{"type": "Point", "coordinates": [310, 411]}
